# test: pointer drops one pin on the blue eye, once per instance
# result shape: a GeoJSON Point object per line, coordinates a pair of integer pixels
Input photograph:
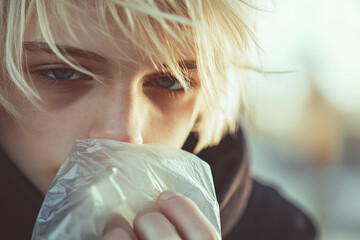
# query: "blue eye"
{"type": "Point", "coordinates": [165, 81]}
{"type": "Point", "coordinates": [61, 74]}
{"type": "Point", "coordinates": [64, 74]}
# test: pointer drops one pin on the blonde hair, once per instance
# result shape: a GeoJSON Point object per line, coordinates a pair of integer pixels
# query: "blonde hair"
{"type": "Point", "coordinates": [215, 33]}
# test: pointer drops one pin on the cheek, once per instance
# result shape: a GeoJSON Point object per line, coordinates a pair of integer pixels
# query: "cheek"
{"type": "Point", "coordinates": [29, 151]}
{"type": "Point", "coordinates": [39, 147]}
{"type": "Point", "coordinates": [171, 121]}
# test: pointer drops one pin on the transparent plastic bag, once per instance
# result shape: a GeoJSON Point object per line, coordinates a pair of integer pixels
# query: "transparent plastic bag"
{"type": "Point", "coordinates": [102, 177]}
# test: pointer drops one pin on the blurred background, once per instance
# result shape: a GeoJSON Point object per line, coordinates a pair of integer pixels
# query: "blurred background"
{"type": "Point", "coordinates": [304, 126]}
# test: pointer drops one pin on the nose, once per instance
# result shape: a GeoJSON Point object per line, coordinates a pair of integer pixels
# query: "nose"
{"type": "Point", "coordinates": [118, 117]}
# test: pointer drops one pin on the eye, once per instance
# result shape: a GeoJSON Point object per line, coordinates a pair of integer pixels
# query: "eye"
{"type": "Point", "coordinates": [61, 74]}
{"type": "Point", "coordinates": [164, 81]}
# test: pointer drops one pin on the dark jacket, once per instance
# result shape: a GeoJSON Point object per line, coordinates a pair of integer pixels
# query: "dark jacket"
{"type": "Point", "coordinates": [248, 209]}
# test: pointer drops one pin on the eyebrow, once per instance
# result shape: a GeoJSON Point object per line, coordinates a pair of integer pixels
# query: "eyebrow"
{"type": "Point", "coordinates": [186, 64]}
{"type": "Point", "coordinates": [38, 48]}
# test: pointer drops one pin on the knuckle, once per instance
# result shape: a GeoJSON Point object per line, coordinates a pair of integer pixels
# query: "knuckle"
{"type": "Point", "coordinates": [205, 235]}
{"type": "Point", "coordinates": [181, 202]}
{"type": "Point", "coordinates": [145, 213]}
{"type": "Point", "coordinates": [116, 233]}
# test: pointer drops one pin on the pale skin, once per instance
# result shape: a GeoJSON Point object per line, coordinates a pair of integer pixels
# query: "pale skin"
{"type": "Point", "coordinates": [126, 109]}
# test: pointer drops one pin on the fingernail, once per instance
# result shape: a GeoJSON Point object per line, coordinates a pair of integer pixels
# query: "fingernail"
{"type": "Point", "coordinates": [166, 195]}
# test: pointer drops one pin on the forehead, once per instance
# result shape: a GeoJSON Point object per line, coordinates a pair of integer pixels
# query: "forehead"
{"type": "Point", "coordinates": [89, 38]}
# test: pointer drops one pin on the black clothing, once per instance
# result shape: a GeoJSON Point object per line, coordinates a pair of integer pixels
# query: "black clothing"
{"type": "Point", "coordinates": [248, 209]}
{"type": "Point", "coordinates": [20, 202]}
{"type": "Point", "coordinates": [269, 216]}
{"type": "Point", "coordinates": [266, 215]}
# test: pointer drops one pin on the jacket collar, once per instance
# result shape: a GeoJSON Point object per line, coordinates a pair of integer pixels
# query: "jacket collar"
{"type": "Point", "coordinates": [230, 168]}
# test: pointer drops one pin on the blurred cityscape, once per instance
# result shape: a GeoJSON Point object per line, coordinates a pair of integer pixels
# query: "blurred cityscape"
{"type": "Point", "coordinates": [303, 128]}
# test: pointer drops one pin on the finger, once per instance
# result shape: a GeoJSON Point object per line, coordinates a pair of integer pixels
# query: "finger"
{"type": "Point", "coordinates": [116, 224]}
{"type": "Point", "coordinates": [116, 234]}
{"type": "Point", "coordinates": [152, 225]}
{"type": "Point", "coordinates": [185, 216]}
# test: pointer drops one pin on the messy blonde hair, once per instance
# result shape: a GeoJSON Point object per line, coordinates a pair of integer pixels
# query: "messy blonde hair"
{"type": "Point", "coordinates": [216, 33]}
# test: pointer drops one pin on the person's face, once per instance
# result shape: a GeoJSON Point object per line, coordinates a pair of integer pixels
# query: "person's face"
{"type": "Point", "coordinates": [127, 108]}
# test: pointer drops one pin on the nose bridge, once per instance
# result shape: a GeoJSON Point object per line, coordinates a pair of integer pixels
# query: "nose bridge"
{"type": "Point", "coordinates": [118, 116]}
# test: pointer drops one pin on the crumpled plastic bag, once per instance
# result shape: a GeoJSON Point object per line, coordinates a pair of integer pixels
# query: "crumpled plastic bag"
{"type": "Point", "coordinates": [101, 177]}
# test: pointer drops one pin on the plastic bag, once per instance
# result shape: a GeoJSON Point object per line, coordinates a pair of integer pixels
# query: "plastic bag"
{"type": "Point", "coordinates": [101, 177]}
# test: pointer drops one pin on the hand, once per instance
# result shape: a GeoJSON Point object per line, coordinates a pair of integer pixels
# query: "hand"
{"type": "Point", "coordinates": [177, 217]}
